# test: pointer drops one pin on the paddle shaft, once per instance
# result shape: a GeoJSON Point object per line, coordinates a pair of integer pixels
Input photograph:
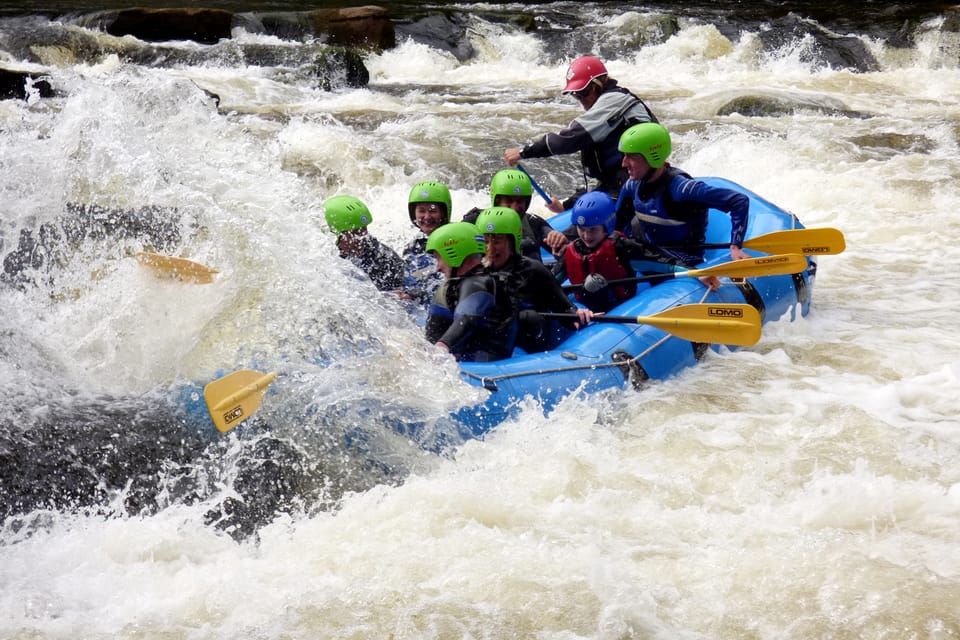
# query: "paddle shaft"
{"type": "Point", "coordinates": [746, 268]}
{"type": "Point", "coordinates": [543, 194]}
{"type": "Point", "coordinates": [735, 324]}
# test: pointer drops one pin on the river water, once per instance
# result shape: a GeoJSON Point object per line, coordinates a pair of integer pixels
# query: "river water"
{"type": "Point", "coordinates": [806, 487]}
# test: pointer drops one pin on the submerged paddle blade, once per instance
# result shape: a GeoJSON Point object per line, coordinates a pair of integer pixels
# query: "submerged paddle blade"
{"type": "Point", "coordinates": [809, 242]}
{"type": "Point", "coordinates": [234, 398]}
{"type": "Point", "coordinates": [735, 324]}
{"type": "Point", "coordinates": [179, 268]}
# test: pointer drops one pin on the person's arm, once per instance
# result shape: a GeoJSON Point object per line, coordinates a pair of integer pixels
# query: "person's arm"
{"type": "Point", "coordinates": [629, 249]}
{"type": "Point", "coordinates": [439, 319]}
{"type": "Point", "coordinates": [382, 265]}
{"type": "Point", "coordinates": [476, 301]}
{"type": "Point", "coordinates": [552, 240]}
{"type": "Point", "coordinates": [736, 204]}
{"type": "Point", "coordinates": [570, 139]}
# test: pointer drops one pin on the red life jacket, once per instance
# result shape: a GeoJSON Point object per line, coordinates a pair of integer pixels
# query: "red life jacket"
{"type": "Point", "coordinates": [603, 261]}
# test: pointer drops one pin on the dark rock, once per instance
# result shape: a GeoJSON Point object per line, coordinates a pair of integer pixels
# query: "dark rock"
{"type": "Point", "coordinates": [17, 84]}
{"type": "Point", "coordinates": [340, 67]}
{"type": "Point", "coordinates": [830, 50]}
{"type": "Point", "coordinates": [206, 26]}
{"type": "Point", "coordinates": [441, 31]}
{"type": "Point", "coordinates": [51, 245]}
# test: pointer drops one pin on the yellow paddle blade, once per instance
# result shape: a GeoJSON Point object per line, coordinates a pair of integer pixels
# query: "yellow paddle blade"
{"type": "Point", "coordinates": [234, 398]}
{"type": "Point", "coordinates": [822, 241]}
{"type": "Point", "coordinates": [179, 268]}
{"type": "Point", "coordinates": [752, 267]}
{"type": "Point", "coordinates": [736, 324]}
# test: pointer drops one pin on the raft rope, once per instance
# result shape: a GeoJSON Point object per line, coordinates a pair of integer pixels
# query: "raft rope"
{"type": "Point", "coordinates": [491, 381]}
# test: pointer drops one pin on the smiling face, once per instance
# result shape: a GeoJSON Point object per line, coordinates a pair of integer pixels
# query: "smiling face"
{"type": "Point", "coordinates": [636, 165]}
{"type": "Point", "coordinates": [592, 236]}
{"type": "Point", "coordinates": [428, 216]}
{"type": "Point", "coordinates": [500, 248]}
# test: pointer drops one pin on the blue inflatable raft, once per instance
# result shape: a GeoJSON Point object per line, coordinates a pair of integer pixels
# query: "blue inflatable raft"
{"type": "Point", "coordinates": [601, 356]}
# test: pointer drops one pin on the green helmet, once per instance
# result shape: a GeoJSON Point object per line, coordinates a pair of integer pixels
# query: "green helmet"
{"type": "Point", "coordinates": [430, 192]}
{"type": "Point", "coordinates": [346, 213]}
{"type": "Point", "coordinates": [501, 220]}
{"type": "Point", "coordinates": [455, 242]}
{"type": "Point", "coordinates": [510, 182]}
{"type": "Point", "coordinates": [650, 140]}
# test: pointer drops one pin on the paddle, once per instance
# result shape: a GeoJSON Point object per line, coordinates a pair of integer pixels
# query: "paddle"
{"type": "Point", "coordinates": [543, 194]}
{"type": "Point", "coordinates": [179, 268]}
{"type": "Point", "coordinates": [233, 398]}
{"type": "Point", "coordinates": [736, 324]}
{"type": "Point", "coordinates": [746, 268]}
{"type": "Point", "coordinates": [822, 241]}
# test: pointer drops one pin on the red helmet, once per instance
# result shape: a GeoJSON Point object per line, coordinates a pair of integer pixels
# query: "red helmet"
{"type": "Point", "coordinates": [582, 71]}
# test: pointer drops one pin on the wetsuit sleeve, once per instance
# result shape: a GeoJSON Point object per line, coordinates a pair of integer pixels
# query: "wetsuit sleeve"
{"type": "Point", "coordinates": [439, 316]}
{"type": "Point", "coordinates": [382, 265]}
{"type": "Point", "coordinates": [732, 202]}
{"type": "Point", "coordinates": [540, 229]}
{"type": "Point", "coordinates": [548, 294]}
{"type": "Point", "coordinates": [476, 302]}
{"type": "Point", "coordinates": [632, 250]}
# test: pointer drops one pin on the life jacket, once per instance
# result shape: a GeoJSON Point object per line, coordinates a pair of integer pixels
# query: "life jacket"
{"type": "Point", "coordinates": [485, 312]}
{"type": "Point", "coordinates": [603, 261]}
{"type": "Point", "coordinates": [662, 221]}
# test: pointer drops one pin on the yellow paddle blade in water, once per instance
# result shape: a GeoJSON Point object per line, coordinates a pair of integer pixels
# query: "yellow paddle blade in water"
{"type": "Point", "coordinates": [234, 398]}
{"type": "Point", "coordinates": [178, 268]}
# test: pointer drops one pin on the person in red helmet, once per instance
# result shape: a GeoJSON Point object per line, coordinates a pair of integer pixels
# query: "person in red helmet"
{"type": "Point", "coordinates": [609, 111]}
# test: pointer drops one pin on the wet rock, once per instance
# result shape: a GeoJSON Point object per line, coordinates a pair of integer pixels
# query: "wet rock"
{"type": "Point", "coordinates": [366, 27]}
{"type": "Point", "coordinates": [780, 104]}
{"type": "Point", "coordinates": [20, 84]}
{"type": "Point", "coordinates": [828, 50]}
{"type": "Point", "coordinates": [50, 245]}
{"type": "Point", "coordinates": [91, 453]}
{"type": "Point", "coordinates": [889, 144]}
{"type": "Point", "coordinates": [273, 477]}
{"type": "Point", "coordinates": [339, 67]}
{"type": "Point", "coordinates": [441, 31]}
{"type": "Point", "coordinates": [206, 26]}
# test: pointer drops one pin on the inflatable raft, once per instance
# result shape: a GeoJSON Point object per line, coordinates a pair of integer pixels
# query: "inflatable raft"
{"type": "Point", "coordinates": [604, 355]}
{"type": "Point", "coordinates": [634, 345]}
